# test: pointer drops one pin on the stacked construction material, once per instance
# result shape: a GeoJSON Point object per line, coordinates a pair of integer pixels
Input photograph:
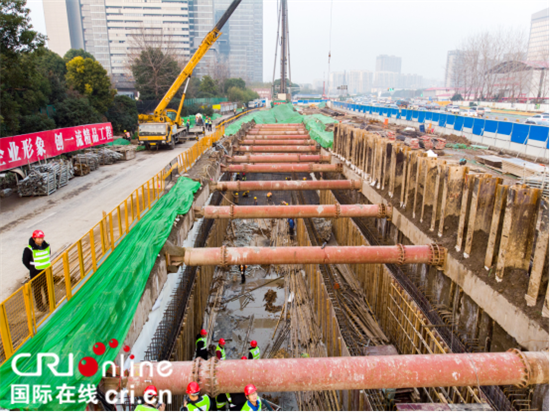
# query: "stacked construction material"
{"type": "Point", "coordinates": [85, 163]}
{"type": "Point", "coordinates": [107, 156]}
{"type": "Point", "coordinates": [439, 143]}
{"type": "Point", "coordinates": [522, 168]}
{"type": "Point", "coordinates": [426, 142]}
{"type": "Point", "coordinates": [38, 183]}
{"type": "Point", "coordinates": [127, 152]}
{"type": "Point", "coordinates": [412, 142]}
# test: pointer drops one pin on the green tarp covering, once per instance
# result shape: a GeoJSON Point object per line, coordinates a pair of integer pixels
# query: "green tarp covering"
{"type": "Point", "coordinates": [102, 310]}
{"type": "Point", "coordinates": [285, 113]}
{"type": "Point", "coordinates": [119, 142]}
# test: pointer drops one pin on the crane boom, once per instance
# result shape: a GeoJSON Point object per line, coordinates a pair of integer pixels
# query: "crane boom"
{"type": "Point", "coordinates": [205, 45]}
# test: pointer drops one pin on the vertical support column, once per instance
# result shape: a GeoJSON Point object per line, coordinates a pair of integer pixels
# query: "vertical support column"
{"type": "Point", "coordinates": [518, 231]}
{"type": "Point", "coordinates": [496, 225]}
{"type": "Point", "coordinates": [541, 251]}
{"type": "Point", "coordinates": [464, 211]}
{"type": "Point", "coordinates": [453, 184]}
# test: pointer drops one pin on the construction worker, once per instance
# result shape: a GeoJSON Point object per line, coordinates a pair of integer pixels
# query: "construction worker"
{"type": "Point", "coordinates": [236, 198]}
{"type": "Point", "coordinates": [200, 344]}
{"type": "Point", "coordinates": [253, 401]}
{"type": "Point", "coordinates": [127, 135]}
{"type": "Point", "coordinates": [283, 203]}
{"type": "Point", "coordinates": [194, 401]}
{"type": "Point", "coordinates": [187, 125]}
{"type": "Point", "coordinates": [255, 201]}
{"type": "Point", "coordinates": [238, 176]}
{"type": "Point", "coordinates": [287, 178]}
{"type": "Point", "coordinates": [220, 349]}
{"type": "Point", "coordinates": [244, 176]}
{"type": "Point", "coordinates": [222, 400]}
{"type": "Point", "coordinates": [253, 351]}
{"type": "Point", "coordinates": [291, 225]}
{"type": "Point", "coordinates": [36, 258]}
{"type": "Point", "coordinates": [269, 197]}
{"type": "Point", "coordinates": [150, 397]}
{"type": "Point", "coordinates": [245, 194]}
{"type": "Point", "coordinates": [244, 358]}
{"type": "Point", "coordinates": [243, 273]}
{"type": "Point", "coordinates": [305, 178]}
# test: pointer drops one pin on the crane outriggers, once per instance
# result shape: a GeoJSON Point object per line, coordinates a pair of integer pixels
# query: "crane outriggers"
{"type": "Point", "coordinates": [164, 126]}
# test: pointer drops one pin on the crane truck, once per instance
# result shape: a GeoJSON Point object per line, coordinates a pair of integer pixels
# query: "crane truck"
{"type": "Point", "coordinates": [164, 127]}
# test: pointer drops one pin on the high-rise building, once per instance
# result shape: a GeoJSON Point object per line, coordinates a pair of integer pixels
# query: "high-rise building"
{"type": "Point", "coordinates": [538, 37]}
{"type": "Point", "coordinates": [454, 59]}
{"type": "Point", "coordinates": [359, 81]}
{"type": "Point", "coordinates": [385, 63]}
{"type": "Point", "coordinates": [241, 45]}
{"type": "Point", "coordinates": [410, 81]}
{"type": "Point", "coordinates": [386, 80]}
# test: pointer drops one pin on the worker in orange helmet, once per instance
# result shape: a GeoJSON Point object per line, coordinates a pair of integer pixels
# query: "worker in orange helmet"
{"type": "Point", "coordinates": [151, 399]}
{"type": "Point", "coordinates": [253, 401]}
{"type": "Point", "coordinates": [254, 350]}
{"type": "Point", "coordinates": [200, 345]}
{"type": "Point", "coordinates": [36, 258]}
{"type": "Point", "coordinates": [194, 401]}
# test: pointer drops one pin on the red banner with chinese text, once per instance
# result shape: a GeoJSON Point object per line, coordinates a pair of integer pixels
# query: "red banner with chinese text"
{"type": "Point", "coordinates": [29, 148]}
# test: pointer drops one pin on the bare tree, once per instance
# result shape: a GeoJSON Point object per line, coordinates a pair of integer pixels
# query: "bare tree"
{"type": "Point", "coordinates": [218, 69]}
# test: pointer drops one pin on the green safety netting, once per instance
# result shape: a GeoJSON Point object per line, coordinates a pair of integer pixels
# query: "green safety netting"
{"type": "Point", "coordinates": [102, 310]}
{"type": "Point", "coordinates": [285, 113]}
{"type": "Point", "coordinates": [191, 120]}
{"type": "Point", "coordinates": [119, 142]}
{"type": "Point", "coordinates": [216, 116]}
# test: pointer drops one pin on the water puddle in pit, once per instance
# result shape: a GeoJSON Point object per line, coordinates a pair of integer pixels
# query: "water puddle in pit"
{"type": "Point", "coordinates": [242, 308]}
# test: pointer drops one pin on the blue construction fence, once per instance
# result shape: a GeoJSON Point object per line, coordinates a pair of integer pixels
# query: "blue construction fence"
{"type": "Point", "coordinates": [519, 133]}
{"type": "Point", "coordinates": [309, 101]}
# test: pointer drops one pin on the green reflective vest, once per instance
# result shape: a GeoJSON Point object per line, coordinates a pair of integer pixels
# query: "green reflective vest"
{"type": "Point", "coordinates": [222, 350]}
{"type": "Point", "coordinates": [145, 408]}
{"type": "Point", "coordinates": [247, 407]}
{"type": "Point", "coordinates": [219, 404]}
{"type": "Point", "coordinates": [41, 258]}
{"type": "Point", "coordinates": [203, 404]}
{"type": "Point", "coordinates": [255, 353]}
{"type": "Point", "coordinates": [202, 339]}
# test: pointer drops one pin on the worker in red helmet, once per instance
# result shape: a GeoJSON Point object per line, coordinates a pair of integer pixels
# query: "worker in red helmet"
{"type": "Point", "coordinates": [253, 401]}
{"type": "Point", "coordinates": [151, 400]}
{"type": "Point", "coordinates": [201, 345]}
{"type": "Point", "coordinates": [254, 350]}
{"type": "Point", "coordinates": [244, 357]}
{"type": "Point", "coordinates": [194, 401]}
{"type": "Point", "coordinates": [220, 349]}
{"type": "Point", "coordinates": [36, 258]}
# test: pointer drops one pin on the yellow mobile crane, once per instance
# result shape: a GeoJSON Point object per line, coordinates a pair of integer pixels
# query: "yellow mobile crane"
{"type": "Point", "coordinates": [164, 126]}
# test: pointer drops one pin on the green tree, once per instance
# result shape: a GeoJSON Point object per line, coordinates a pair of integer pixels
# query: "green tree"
{"type": "Point", "coordinates": [238, 83]}
{"type": "Point", "coordinates": [72, 53]}
{"type": "Point", "coordinates": [154, 72]}
{"type": "Point", "coordinates": [35, 123]}
{"type": "Point", "coordinates": [234, 94]}
{"type": "Point", "coordinates": [456, 97]}
{"type": "Point", "coordinates": [16, 34]}
{"type": "Point", "coordinates": [123, 114]}
{"type": "Point", "coordinates": [208, 87]}
{"type": "Point", "coordinates": [89, 78]}
{"type": "Point", "coordinates": [75, 111]}
{"type": "Point", "coordinates": [53, 68]}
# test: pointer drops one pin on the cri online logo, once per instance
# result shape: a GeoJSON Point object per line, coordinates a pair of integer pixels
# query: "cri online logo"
{"type": "Point", "coordinates": [87, 366]}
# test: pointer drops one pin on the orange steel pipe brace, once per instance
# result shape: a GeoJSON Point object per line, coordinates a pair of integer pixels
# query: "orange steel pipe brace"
{"type": "Point", "coordinates": [276, 132]}
{"type": "Point", "coordinates": [303, 211]}
{"type": "Point", "coordinates": [284, 158]}
{"type": "Point", "coordinates": [275, 149]}
{"type": "Point", "coordinates": [341, 373]}
{"type": "Point", "coordinates": [277, 136]}
{"type": "Point", "coordinates": [282, 168]}
{"type": "Point", "coordinates": [398, 254]}
{"type": "Point", "coordinates": [303, 142]}
{"type": "Point", "coordinates": [278, 185]}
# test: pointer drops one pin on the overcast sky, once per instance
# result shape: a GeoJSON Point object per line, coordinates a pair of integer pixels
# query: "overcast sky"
{"type": "Point", "coordinates": [420, 32]}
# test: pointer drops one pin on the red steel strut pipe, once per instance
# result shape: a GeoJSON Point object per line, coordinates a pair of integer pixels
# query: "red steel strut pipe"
{"type": "Point", "coordinates": [341, 373]}
{"type": "Point", "coordinates": [276, 132]}
{"type": "Point", "coordinates": [277, 185]}
{"type": "Point", "coordinates": [398, 254]}
{"type": "Point", "coordinates": [282, 168]}
{"type": "Point", "coordinates": [288, 158]}
{"type": "Point", "coordinates": [302, 142]}
{"type": "Point", "coordinates": [283, 212]}
{"type": "Point", "coordinates": [277, 136]}
{"type": "Point", "coordinates": [275, 149]}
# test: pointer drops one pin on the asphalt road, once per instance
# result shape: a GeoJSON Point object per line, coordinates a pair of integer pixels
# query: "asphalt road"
{"type": "Point", "coordinates": [71, 211]}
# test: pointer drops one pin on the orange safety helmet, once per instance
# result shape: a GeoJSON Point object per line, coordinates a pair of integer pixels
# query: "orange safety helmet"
{"type": "Point", "coordinates": [193, 388]}
{"type": "Point", "coordinates": [151, 389]}
{"type": "Point", "coordinates": [204, 332]}
{"type": "Point", "coordinates": [37, 234]}
{"type": "Point", "coordinates": [221, 341]}
{"type": "Point", "coordinates": [249, 389]}
{"type": "Point", "coordinates": [253, 343]}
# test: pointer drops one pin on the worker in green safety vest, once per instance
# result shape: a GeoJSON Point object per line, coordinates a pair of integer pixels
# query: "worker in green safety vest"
{"type": "Point", "coordinates": [150, 397]}
{"type": "Point", "coordinates": [253, 351]}
{"type": "Point", "coordinates": [194, 401]}
{"type": "Point", "coordinates": [220, 349]}
{"type": "Point", "coordinates": [222, 400]}
{"type": "Point", "coordinates": [200, 345]}
{"type": "Point", "coordinates": [36, 258]}
{"type": "Point", "coordinates": [253, 401]}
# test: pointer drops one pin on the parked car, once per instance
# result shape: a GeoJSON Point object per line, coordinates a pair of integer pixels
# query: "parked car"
{"type": "Point", "coordinates": [452, 109]}
{"type": "Point", "coordinates": [539, 119]}
{"type": "Point", "coordinates": [469, 113]}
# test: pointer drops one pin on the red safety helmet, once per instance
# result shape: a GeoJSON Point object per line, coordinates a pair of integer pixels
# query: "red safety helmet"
{"type": "Point", "coordinates": [249, 389]}
{"type": "Point", "coordinates": [37, 234]}
{"type": "Point", "coordinates": [244, 357]}
{"type": "Point", "coordinates": [151, 390]}
{"type": "Point", "coordinates": [253, 343]}
{"type": "Point", "coordinates": [222, 341]}
{"type": "Point", "coordinates": [204, 332]}
{"type": "Point", "coordinates": [193, 388]}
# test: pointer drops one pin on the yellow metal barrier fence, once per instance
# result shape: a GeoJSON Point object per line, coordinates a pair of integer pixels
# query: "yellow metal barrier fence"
{"type": "Point", "coordinates": [28, 307]}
